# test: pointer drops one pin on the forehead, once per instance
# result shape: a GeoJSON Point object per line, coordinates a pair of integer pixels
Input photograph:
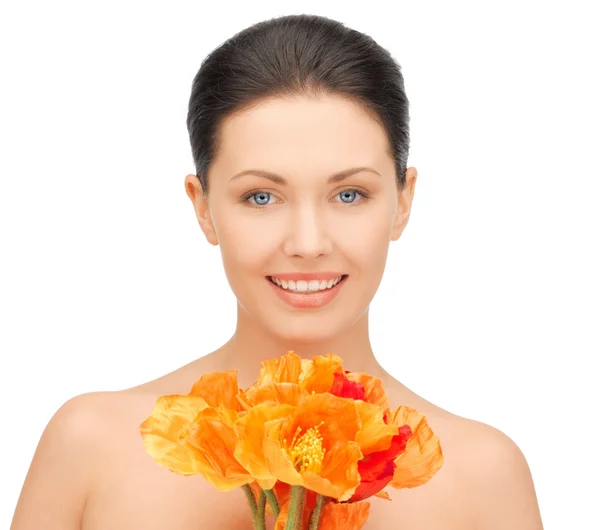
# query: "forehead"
{"type": "Point", "coordinates": [323, 134]}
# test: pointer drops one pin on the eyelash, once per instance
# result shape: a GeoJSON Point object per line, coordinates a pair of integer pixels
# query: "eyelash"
{"type": "Point", "coordinates": [360, 192]}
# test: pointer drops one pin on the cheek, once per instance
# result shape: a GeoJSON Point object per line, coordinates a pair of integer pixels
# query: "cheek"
{"type": "Point", "coordinates": [366, 239]}
{"type": "Point", "coordinates": [246, 242]}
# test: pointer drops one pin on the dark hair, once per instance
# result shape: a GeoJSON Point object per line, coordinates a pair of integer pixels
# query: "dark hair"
{"type": "Point", "coordinates": [294, 55]}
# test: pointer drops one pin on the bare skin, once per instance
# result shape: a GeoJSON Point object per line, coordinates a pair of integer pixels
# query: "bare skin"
{"type": "Point", "coordinates": [134, 492]}
{"type": "Point", "coordinates": [91, 472]}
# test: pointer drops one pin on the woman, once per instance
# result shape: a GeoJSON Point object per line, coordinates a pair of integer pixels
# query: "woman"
{"type": "Point", "coordinates": [299, 130]}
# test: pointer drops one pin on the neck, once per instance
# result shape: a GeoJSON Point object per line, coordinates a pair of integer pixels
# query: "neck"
{"type": "Point", "coordinates": [252, 344]}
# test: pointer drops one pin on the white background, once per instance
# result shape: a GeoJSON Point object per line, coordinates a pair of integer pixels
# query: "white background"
{"type": "Point", "coordinates": [489, 306]}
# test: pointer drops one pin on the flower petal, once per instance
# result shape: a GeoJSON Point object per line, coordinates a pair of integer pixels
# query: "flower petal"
{"type": "Point", "coordinates": [423, 455]}
{"type": "Point", "coordinates": [375, 434]}
{"type": "Point", "coordinates": [377, 469]}
{"type": "Point", "coordinates": [250, 432]}
{"type": "Point", "coordinates": [340, 476]}
{"type": "Point", "coordinates": [374, 390]}
{"type": "Point", "coordinates": [218, 388]}
{"type": "Point", "coordinates": [212, 435]}
{"type": "Point", "coordinates": [337, 423]}
{"type": "Point", "coordinates": [318, 375]}
{"type": "Point", "coordinates": [346, 515]}
{"type": "Point", "coordinates": [165, 430]}
{"type": "Point", "coordinates": [344, 387]}
{"type": "Point", "coordinates": [285, 393]}
{"type": "Point", "coordinates": [383, 495]}
{"type": "Point", "coordinates": [338, 416]}
{"type": "Point", "coordinates": [284, 369]}
{"type": "Point", "coordinates": [278, 461]}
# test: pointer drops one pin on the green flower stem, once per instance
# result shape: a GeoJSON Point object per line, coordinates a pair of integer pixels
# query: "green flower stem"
{"type": "Point", "coordinates": [294, 520]}
{"type": "Point", "coordinates": [315, 515]}
{"type": "Point", "coordinates": [260, 511]}
{"type": "Point", "coordinates": [257, 517]}
{"type": "Point", "coordinates": [273, 502]}
{"type": "Point", "coordinates": [251, 499]}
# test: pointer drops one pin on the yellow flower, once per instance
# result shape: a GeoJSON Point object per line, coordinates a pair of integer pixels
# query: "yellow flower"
{"type": "Point", "coordinates": [194, 434]}
{"type": "Point", "coordinates": [165, 431]}
{"type": "Point", "coordinates": [314, 375]}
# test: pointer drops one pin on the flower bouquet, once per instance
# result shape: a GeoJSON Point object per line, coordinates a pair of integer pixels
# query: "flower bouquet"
{"type": "Point", "coordinates": [308, 442]}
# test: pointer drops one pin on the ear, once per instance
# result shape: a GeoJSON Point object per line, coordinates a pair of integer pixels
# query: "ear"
{"type": "Point", "coordinates": [405, 198]}
{"type": "Point", "coordinates": [194, 191]}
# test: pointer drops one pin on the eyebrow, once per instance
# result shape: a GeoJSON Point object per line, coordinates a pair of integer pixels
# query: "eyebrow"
{"type": "Point", "coordinates": [336, 177]}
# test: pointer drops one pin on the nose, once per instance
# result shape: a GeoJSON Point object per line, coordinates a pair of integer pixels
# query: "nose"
{"type": "Point", "coordinates": [307, 235]}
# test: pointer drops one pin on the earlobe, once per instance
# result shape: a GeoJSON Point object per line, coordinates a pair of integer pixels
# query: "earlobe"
{"type": "Point", "coordinates": [199, 200]}
{"type": "Point", "coordinates": [405, 198]}
{"type": "Point", "coordinates": [206, 223]}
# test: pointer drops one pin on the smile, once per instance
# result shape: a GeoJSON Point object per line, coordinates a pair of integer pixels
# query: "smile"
{"type": "Point", "coordinates": [303, 286]}
{"type": "Point", "coordinates": [303, 294]}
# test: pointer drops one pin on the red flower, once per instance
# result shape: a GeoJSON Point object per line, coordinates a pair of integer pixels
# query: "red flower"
{"type": "Point", "coordinates": [377, 468]}
{"type": "Point", "coordinates": [343, 387]}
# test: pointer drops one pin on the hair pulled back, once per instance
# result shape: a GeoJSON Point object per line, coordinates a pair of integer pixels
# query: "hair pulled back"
{"type": "Point", "coordinates": [296, 55]}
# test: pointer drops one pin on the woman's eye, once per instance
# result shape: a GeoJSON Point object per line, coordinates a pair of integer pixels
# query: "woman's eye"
{"type": "Point", "coordinates": [262, 198]}
{"type": "Point", "coordinates": [348, 196]}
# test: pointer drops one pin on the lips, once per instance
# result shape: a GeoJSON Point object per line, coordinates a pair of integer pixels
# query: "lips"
{"type": "Point", "coordinates": [308, 300]}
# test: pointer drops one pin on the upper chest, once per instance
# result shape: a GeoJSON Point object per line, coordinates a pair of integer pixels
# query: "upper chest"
{"type": "Point", "coordinates": [134, 492]}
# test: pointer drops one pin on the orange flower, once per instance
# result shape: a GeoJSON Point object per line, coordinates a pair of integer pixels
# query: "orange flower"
{"type": "Point", "coordinates": [346, 515]}
{"type": "Point", "coordinates": [423, 456]}
{"type": "Point", "coordinates": [218, 388]}
{"type": "Point", "coordinates": [335, 515]}
{"type": "Point", "coordinates": [318, 374]}
{"type": "Point", "coordinates": [380, 442]}
{"type": "Point", "coordinates": [314, 446]}
{"type": "Point", "coordinates": [304, 423]}
{"type": "Point", "coordinates": [284, 369]}
{"type": "Point", "coordinates": [377, 469]}
{"type": "Point", "coordinates": [250, 432]}
{"type": "Point", "coordinates": [264, 403]}
{"type": "Point", "coordinates": [372, 387]}
{"type": "Point", "coordinates": [213, 436]}
{"type": "Point", "coordinates": [194, 434]}
{"type": "Point", "coordinates": [276, 393]}
{"type": "Point", "coordinates": [314, 374]}
{"type": "Point", "coordinates": [165, 430]}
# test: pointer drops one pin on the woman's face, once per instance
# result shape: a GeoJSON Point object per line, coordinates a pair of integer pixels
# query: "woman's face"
{"type": "Point", "coordinates": [301, 221]}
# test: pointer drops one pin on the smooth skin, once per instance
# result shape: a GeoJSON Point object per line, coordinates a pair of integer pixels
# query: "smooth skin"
{"type": "Point", "coordinates": [90, 470]}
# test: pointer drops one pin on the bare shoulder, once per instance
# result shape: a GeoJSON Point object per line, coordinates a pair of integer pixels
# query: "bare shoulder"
{"type": "Point", "coordinates": [484, 469]}
{"type": "Point", "coordinates": [497, 477]}
{"type": "Point", "coordinates": [59, 478]}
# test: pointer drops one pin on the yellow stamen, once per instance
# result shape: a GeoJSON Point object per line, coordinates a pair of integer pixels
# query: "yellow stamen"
{"type": "Point", "coordinates": [306, 451]}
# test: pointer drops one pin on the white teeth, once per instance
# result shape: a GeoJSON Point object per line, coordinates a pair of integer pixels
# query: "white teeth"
{"type": "Point", "coordinates": [302, 286]}
{"type": "Point", "coordinates": [314, 285]}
